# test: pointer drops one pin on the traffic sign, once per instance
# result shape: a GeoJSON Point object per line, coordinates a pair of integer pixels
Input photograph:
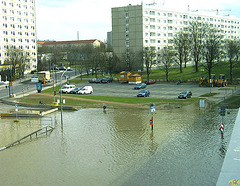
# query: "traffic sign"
{"type": "Point", "coordinates": [222, 110]}
{"type": "Point", "coordinates": [16, 107]}
{"type": "Point", "coordinates": [39, 86]}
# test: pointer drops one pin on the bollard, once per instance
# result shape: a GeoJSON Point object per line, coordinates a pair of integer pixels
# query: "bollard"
{"type": "Point", "coordinates": [151, 123]}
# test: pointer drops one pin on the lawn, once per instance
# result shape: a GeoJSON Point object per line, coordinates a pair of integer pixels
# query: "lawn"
{"type": "Point", "coordinates": [189, 73]}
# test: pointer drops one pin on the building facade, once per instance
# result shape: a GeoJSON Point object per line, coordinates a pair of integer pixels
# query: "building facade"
{"type": "Point", "coordinates": [70, 44]}
{"type": "Point", "coordinates": [65, 46]}
{"type": "Point", "coordinates": [18, 30]}
{"type": "Point", "coordinates": [137, 26]}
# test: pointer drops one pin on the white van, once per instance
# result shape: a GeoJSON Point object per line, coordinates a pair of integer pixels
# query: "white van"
{"type": "Point", "coordinates": [86, 90]}
{"type": "Point", "coordinates": [67, 88]}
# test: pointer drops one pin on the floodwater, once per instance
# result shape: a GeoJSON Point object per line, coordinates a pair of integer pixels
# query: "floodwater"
{"type": "Point", "coordinates": [117, 147]}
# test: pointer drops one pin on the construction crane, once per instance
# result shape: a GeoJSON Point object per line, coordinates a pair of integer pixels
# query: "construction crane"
{"type": "Point", "coordinates": [211, 10]}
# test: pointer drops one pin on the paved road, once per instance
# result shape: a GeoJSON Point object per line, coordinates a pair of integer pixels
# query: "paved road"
{"type": "Point", "coordinates": [163, 90]}
{"type": "Point", "coordinates": [24, 86]}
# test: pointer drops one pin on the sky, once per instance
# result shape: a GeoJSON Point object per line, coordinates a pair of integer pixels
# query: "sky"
{"type": "Point", "coordinates": [61, 20]}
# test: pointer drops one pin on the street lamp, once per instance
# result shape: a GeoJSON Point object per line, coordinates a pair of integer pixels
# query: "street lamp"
{"type": "Point", "coordinates": [61, 97]}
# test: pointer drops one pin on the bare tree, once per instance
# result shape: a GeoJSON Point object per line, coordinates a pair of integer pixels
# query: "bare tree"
{"type": "Point", "coordinates": [232, 51]}
{"type": "Point", "coordinates": [211, 49]}
{"type": "Point", "coordinates": [16, 58]}
{"type": "Point", "coordinates": [197, 31]}
{"type": "Point", "coordinates": [167, 57]}
{"type": "Point", "coordinates": [149, 58]}
{"type": "Point", "coordinates": [182, 44]}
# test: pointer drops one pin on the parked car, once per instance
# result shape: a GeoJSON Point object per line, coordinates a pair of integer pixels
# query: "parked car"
{"type": "Point", "coordinates": [185, 95]}
{"type": "Point", "coordinates": [67, 88]}
{"type": "Point", "coordinates": [62, 68]}
{"type": "Point", "coordinates": [92, 80]}
{"type": "Point", "coordinates": [110, 79]}
{"type": "Point", "coordinates": [140, 86]}
{"type": "Point", "coordinates": [69, 69]}
{"type": "Point", "coordinates": [86, 90]}
{"type": "Point", "coordinates": [150, 81]}
{"type": "Point", "coordinates": [4, 82]}
{"type": "Point", "coordinates": [143, 93]}
{"type": "Point", "coordinates": [74, 91]}
{"type": "Point", "coordinates": [99, 80]}
{"type": "Point", "coordinates": [104, 80]}
{"type": "Point", "coordinates": [54, 68]}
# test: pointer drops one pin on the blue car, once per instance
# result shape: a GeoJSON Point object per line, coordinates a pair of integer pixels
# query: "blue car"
{"type": "Point", "coordinates": [143, 93]}
{"type": "Point", "coordinates": [140, 86]}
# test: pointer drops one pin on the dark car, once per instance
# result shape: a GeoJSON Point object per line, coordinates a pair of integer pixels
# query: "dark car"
{"type": "Point", "coordinates": [62, 68]}
{"type": "Point", "coordinates": [104, 80]}
{"type": "Point", "coordinates": [140, 86]}
{"type": "Point", "coordinates": [54, 68]}
{"type": "Point", "coordinates": [143, 93]}
{"type": "Point", "coordinates": [74, 91]}
{"type": "Point", "coordinates": [99, 80]}
{"type": "Point", "coordinates": [150, 81]}
{"type": "Point", "coordinates": [185, 95]}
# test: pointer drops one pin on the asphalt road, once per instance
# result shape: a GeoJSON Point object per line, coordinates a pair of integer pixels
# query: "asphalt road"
{"type": "Point", "coordinates": [163, 90]}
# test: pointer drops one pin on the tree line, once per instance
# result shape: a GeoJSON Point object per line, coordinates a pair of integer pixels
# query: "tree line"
{"type": "Point", "coordinates": [199, 43]}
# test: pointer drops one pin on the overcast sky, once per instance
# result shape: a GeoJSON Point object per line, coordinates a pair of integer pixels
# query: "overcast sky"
{"type": "Point", "coordinates": [61, 19]}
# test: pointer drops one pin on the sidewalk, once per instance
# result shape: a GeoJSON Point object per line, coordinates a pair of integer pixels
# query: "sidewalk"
{"type": "Point", "coordinates": [230, 173]}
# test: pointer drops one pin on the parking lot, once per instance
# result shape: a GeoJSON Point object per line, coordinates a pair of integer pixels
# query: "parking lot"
{"type": "Point", "coordinates": [163, 90]}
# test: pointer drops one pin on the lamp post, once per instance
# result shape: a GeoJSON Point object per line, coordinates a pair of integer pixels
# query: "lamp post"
{"type": "Point", "coordinates": [61, 97]}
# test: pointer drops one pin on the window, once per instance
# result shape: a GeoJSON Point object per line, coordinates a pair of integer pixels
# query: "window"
{"type": "Point", "coordinates": [152, 20]}
{"type": "Point", "coordinates": [152, 34]}
{"type": "Point", "coordinates": [152, 12]}
{"type": "Point", "coordinates": [152, 26]}
{"type": "Point", "coordinates": [153, 41]}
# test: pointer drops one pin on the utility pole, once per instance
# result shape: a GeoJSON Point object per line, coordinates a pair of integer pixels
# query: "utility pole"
{"type": "Point", "coordinates": [61, 102]}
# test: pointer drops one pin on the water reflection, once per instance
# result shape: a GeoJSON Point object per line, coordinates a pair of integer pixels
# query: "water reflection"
{"type": "Point", "coordinates": [117, 147]}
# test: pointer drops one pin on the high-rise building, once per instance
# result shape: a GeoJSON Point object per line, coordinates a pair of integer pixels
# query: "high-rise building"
{"type": "Point", "coordinates": [18, 30]}
{"type": "Point", "coordinates": [137, 26]}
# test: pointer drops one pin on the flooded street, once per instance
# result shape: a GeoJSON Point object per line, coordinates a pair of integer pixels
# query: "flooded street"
{"type": "Point", "coordinates": [117, 148]}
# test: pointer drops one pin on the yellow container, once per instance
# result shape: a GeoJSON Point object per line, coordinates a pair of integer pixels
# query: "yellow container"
{"type": "Point", "coordinates": [55, 104]}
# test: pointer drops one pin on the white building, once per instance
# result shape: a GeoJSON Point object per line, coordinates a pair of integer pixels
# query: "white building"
{"type": "Point", "coordinates": [18, 29]}
{"type": "Point", "coordinates": [138, 26]}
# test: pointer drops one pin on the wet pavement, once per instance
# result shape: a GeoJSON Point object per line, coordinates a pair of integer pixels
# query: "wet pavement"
{"type": "Point", "coordinates": [230, 172]}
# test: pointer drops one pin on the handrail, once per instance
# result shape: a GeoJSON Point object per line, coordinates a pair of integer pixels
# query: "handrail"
{"type": "Point", "coordinates": [29, 135]}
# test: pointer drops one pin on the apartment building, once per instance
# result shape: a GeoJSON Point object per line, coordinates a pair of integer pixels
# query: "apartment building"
{"type": "Point", "coordinates": [18, 29]}
{"type": "Point", "coordinates": [138, 26]}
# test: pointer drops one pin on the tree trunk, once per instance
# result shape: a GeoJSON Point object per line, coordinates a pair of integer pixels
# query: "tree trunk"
{"type": "Point", "coordinates": [231, 73]}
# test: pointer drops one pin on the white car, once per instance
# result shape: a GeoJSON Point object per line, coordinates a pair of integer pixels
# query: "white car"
{"type": "Point", "coordinates": [86, 90]}
{"type": "Point", "coordinates": [67, 88]}
{"type": "Point", "coordinates": [4, 82]}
